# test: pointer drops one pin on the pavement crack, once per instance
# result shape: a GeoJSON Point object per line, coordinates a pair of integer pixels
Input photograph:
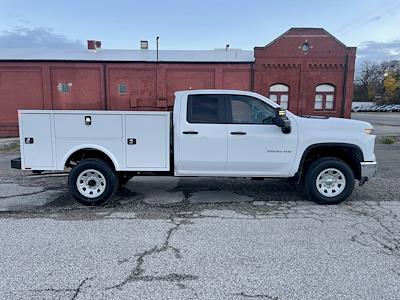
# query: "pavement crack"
{"type": "Point", "coordinates": [137, 272]}
{"type": "Point", "coordinates": [24, 194]}
{"type": "Point", "coordinates": [76, 290]}
{"type": "Point", "coordinates": [396, 272]}
{"type": "Point", "coordinates": [172, 277]}
{"type": "Point", "coordinates": [380, 231]}
{"type": "Point", "coordinates": [256, 296]}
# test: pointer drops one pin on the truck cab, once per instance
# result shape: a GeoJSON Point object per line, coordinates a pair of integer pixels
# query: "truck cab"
{"type": "Point", "coordinates": [231, 133]}
{"type": "Point", "coordinates": [210, 133]}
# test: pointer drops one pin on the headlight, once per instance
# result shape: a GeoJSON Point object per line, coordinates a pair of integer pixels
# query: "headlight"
{"type": "Point", "coordinates": [369, 131]}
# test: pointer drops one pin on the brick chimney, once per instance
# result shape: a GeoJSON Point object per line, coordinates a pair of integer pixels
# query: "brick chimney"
{"type": "Point", "coordinates": [91, 45]}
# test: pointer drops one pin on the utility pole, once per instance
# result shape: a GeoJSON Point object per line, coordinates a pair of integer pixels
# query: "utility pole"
{"type": "Point", "coordinates": [157, 38]}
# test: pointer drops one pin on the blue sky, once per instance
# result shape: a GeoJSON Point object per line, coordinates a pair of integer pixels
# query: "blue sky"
{"type": "Point", "coordinates": [206, 24]}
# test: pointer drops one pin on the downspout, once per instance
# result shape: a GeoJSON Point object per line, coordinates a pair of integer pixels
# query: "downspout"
{"type": "Point", "coordinates": [157, 92]}
{"type": "Point", "coordinates": [105, 85]}
{"type": "Point", "coordinates": [344, 91]}
{"type": "Point", "coordinates": [252, 76]}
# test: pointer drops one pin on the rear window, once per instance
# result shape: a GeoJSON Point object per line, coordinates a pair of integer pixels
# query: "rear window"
{"type": "Point", "coordinates": [205, 109]}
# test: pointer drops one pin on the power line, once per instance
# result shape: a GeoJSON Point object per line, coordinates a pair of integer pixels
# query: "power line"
{"type": "Point", "coordinates": [369, 17]}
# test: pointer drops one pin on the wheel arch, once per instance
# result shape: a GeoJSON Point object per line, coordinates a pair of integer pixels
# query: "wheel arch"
{"type": "Point", "coordinates": [90, 151]}
{"type": "Point", "coordinates": [350, 153]}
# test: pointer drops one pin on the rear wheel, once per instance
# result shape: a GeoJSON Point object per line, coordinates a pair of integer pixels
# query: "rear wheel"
{"type": "Point", "coordinates": [92, 182]}
{"type": "Point", "coordinates": [329, 180]}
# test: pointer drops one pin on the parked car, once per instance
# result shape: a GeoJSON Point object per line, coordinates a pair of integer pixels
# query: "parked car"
{"type": "Point", "coordinates": [396, 108]}
{"type": "Point", "coordinates": [378, 108]}
{"type": "Point", "coordinates": [210, 133]}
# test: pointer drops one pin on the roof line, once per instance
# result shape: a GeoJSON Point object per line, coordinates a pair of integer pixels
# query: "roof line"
{"type": "Point", "coordinates": [304, 28]}
{"type": "Point", "coordinates": [126, 61]}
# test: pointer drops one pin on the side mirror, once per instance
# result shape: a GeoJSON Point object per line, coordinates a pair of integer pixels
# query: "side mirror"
{"type": "Point", "coordinates": [282, 121]}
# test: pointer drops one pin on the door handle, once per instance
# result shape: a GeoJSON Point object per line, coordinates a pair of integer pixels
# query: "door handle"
{"type": "Point", "coordinates": [238, 133]}
{"type": "Point", "coordinates": [190, 132]}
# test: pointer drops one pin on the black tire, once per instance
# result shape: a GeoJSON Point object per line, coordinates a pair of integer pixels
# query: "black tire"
{"type": "Point", "coordinates": [110, 176]}
{"type": "Point", "coordinates": [124, 178]}
{"type": "Point", "coordinates": [321, 164]}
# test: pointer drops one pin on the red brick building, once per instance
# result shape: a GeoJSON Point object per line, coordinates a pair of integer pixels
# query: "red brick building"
{"type": "Point", "coordinates": [305, 69]}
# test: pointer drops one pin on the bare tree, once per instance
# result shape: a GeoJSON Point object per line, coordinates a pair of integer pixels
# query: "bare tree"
{"type": "Point", "coordinates": [378, 82]}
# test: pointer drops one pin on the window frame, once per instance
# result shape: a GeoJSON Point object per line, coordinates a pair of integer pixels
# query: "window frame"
{"type": "Point", "coordinates": [324, 95]}
{"type": "Point", "coordinates": [221, 109]}
{"type": "Point", "coordinates": [119, 89]}
{"type": "Point", "coordinates": [64, 88]}
{"type": "Point", "coordinates": [278, 94]}
{"type": "Point", "coordinates": [229, 110]}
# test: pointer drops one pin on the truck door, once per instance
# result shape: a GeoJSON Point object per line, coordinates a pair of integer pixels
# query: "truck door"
{"type": "Point", "coordinates": [256, 146]}
{"type": "Point", "coordinates": [202, 135]}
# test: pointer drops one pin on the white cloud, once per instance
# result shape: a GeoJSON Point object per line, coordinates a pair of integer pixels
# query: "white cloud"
{"type": "Point", "coordinates": [40, 37]}
{"type": "Point", "coordinates": [379, 51]}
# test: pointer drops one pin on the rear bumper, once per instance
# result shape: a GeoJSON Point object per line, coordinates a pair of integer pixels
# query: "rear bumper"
{"type": "Point", "coordinates": [16, 163]}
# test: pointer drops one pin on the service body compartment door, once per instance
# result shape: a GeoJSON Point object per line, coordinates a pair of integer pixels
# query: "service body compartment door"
{"type": "Point", "coordinates": [36, 141]}
{"type": "Point", "coordinates": [147, 141]}
{"type": "Point", "coordinates": [87, 125]}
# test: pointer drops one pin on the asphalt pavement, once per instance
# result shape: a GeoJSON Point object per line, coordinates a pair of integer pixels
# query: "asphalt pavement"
{"type": "Point", "coordinates": [387, 123]}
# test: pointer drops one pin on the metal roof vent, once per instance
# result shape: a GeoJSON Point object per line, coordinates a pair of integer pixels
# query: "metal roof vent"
{"type": "Point", "coordinates": [92, 45]}
{"type": "Point", "coordinates": [144, 45]}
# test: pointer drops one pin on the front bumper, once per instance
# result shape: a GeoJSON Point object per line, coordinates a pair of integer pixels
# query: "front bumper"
{"type": "Point", "coordinates": [368, 170]}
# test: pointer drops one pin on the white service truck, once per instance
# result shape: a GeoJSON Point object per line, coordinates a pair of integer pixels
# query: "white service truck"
{"type": "Point", "coordinates": [210, 133]}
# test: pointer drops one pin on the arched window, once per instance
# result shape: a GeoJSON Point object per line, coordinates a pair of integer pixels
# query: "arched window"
{"type": "Point", "coordinates": [279, 93]}
{"type": "Point", "coordinates": [324, 97]}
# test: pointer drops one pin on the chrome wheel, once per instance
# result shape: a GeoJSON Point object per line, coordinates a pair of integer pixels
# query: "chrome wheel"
{"type": "Point", "coordinates": [331, 182]}
{"type": "Point", "coordinates": [91, 183]}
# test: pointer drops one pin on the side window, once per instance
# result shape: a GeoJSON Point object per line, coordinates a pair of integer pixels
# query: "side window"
{"type": "Point", "coordinates": [249, 110]}
{"type": "Point", "coordinates": [205, 109]}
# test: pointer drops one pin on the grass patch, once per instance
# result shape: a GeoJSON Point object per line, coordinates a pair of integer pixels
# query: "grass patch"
{"type": "Point", "coordinates": [10, 147]}
{"type": "Point", "coordinates": [388, 140]}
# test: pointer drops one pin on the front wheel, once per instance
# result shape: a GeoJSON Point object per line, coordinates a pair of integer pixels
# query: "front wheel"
{"type": "Point", "coordinates": [329, 180]}
{"type": "Point", "coordinates": [92, 182]}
